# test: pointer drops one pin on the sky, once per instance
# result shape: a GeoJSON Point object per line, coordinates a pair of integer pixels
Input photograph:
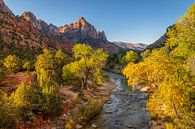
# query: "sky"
{"type": "Point", "coordinates": [134, 21]}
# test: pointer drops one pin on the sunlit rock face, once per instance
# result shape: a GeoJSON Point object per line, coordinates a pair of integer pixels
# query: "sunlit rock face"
{"type": "Point", "coordinates": [27, 29]}
{"type": "Point", "coordinates": [30, 17]}
{"type": "Point", "coordinates": [80, 31]}
{"type": "Point", "coordinates": [82, 28]}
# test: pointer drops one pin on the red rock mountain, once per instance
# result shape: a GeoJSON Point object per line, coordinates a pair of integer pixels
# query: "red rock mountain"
{"type": "Point", "coordinates": [81, 28]}
{"type": "Point", "coordinates": [4, 9]}
{"type": "Point", "coordinates": [28, 30]}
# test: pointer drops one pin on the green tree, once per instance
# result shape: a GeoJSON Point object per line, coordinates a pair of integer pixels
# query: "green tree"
{"type": "Point", "coordinates": [181, 39]}
{"type": "Point", "coordinates": [8, 116]}
{"type": "Point", "coordinates": [89, 63]}
{"type": "Point", "coordinates": [172, 85]}
{"type": "Point", "coordinates": [12, 63]}
{"type": "Point", "coordinates": [169, 71]}
{"type": "Point", "coordinates": [97, 62]}
{"type": "Point", "coordinates": [28, 98]}
{"type": "Point", "coordinates": [46, 69]}
{"type": "Point", "coordinates": [82, 51]}
{"type": "Point", "coordinates": [145, 53]}
{"type": "Point", "coordinates": [131, 56]}
{"type": "Point", "coordinates": [61, 58]}
{"type": "Point", "coordinates": [27, 66]}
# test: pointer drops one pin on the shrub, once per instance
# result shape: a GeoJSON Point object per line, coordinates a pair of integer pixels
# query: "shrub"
{"type": "Point", "coordinates": [12, 63]}
{"type": "Point", "coordinates": [27, 98]}
{"type": "Point", "coordinates": [27, 66]}
{"type": "Point", "coordinates": [7, 114]}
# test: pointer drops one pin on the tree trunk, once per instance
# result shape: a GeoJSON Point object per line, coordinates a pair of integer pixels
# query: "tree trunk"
{"type": "Point", "coordinates": [82, 84]}
{"type": "Point", "coordinates": [86, 79]}
{"type": "Point", "coordinates": [174, 108]}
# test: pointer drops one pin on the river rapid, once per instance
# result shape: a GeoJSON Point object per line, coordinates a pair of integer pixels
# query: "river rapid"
{"type": "Point", "coordinates": [126, 109]}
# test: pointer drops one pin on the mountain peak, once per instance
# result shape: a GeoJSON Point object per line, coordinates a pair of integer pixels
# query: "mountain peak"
{"type": "Point", "coordinates": [30, 17]}
{"type": "Point", "coordinates": [1, 1]}
{"type": "Point", "coordinates": [2, 4]}
{"type": "Point", "coordinates": [27, 15]}
{"type": "Point", "coordinates": [4, 9]}
{"type": "Point", "coordinates": [81, 19]}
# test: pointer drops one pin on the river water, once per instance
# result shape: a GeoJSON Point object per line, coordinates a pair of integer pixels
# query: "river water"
{"type": "Point", "coordinates": [126, 109]}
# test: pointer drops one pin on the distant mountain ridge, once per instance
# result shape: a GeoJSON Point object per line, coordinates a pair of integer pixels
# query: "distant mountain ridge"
{"type": "Point", "coordinates": [160, 42]}
{"type": "Point", "coordinates": [131, 46]}
{"type": "Point", "coordinates": [80, 31]}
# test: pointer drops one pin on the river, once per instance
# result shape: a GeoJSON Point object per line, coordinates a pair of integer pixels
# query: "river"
{"type": "Point", "coordinates": [126, 109]}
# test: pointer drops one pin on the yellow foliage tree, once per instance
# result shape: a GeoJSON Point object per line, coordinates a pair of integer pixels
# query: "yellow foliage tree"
{"type": "Point", "coordinates": [169, 71]}
{"type": "Point", "coordinates": [12, 63]}
{"type": "Point", "coordinates": [89, 63]}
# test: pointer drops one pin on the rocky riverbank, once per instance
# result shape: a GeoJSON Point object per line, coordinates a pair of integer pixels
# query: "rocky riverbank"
{"type": "Point", "coordinates": [87, 105]}
{"type": "Point", "coordinates": [125, 109]}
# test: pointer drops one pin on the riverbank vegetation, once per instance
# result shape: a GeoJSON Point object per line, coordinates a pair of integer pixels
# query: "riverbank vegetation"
{"type": "Point", "coordinates": [169, 72]}
{"type": "Point", "coordinates": [33, 92]}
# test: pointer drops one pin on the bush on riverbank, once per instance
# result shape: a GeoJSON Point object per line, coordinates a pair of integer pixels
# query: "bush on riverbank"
{"type": "Point", "coordinates": [84, 112]}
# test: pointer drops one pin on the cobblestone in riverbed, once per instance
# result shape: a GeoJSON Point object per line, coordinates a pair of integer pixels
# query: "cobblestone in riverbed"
{"type": "Point", "coordinates": [125, 109]}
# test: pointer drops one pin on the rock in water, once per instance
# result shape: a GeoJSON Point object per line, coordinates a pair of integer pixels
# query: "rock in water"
{"type": "Point", "coordinates": [94, 125]}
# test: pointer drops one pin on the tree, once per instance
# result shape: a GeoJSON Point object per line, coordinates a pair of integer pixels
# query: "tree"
{"type": "Point", "coordinates": [181, 39]}
{"type": "Point", "coordinates": [145, 53]}
{"type": "Point", "coordinates": [172, 99]}
{"type": "Point", "coordinates": [82, 51]}
{"type": "Point", "coordinates": [8, 116]}
{"type": "Point", "coordinates": [60, 57]}
{"type": "Point", "coordinates": [27, 65]}
{"type": "Point", "coordinates": [12, 63]}
{"type": "Point", "coordinates": [46, 69]}
{"type": "Point", "coordinates": [97, 62]}
{"type": "Point", "coordinates": [89, 63]}
{"type": "Point", "coordinates": [27, 98]}
{"type": "Point", "coordinates": [171, 84]}
{"type": "Point", "coordinates": [169, 71]}
{"type": "Point", "coordinates": [131, 56]}
{"type": "Point", "coordinates": [151, 70]}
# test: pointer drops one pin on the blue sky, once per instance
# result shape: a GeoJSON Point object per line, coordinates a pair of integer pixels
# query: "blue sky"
{"type": "Point", "coordinates": [122, 20]}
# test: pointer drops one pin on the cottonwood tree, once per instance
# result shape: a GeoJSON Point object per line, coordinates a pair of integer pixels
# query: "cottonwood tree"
{"type": "Point", "coordinates": [12, 63]}
{"type": "Point", "coordinates": [169, 71]}
{"type": "Point", "coordinates": [27, 66]}
{"type": "Point", "coordinates": [8, 117]}
{"type": "Point", "coordinates": [131, 56]}
{"type": "Point", "coordinates": [89, 63]}
{"type": "Point", "coordinates": [46, 68]}
{"type": "Point", "coordinates": [27, 98]}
